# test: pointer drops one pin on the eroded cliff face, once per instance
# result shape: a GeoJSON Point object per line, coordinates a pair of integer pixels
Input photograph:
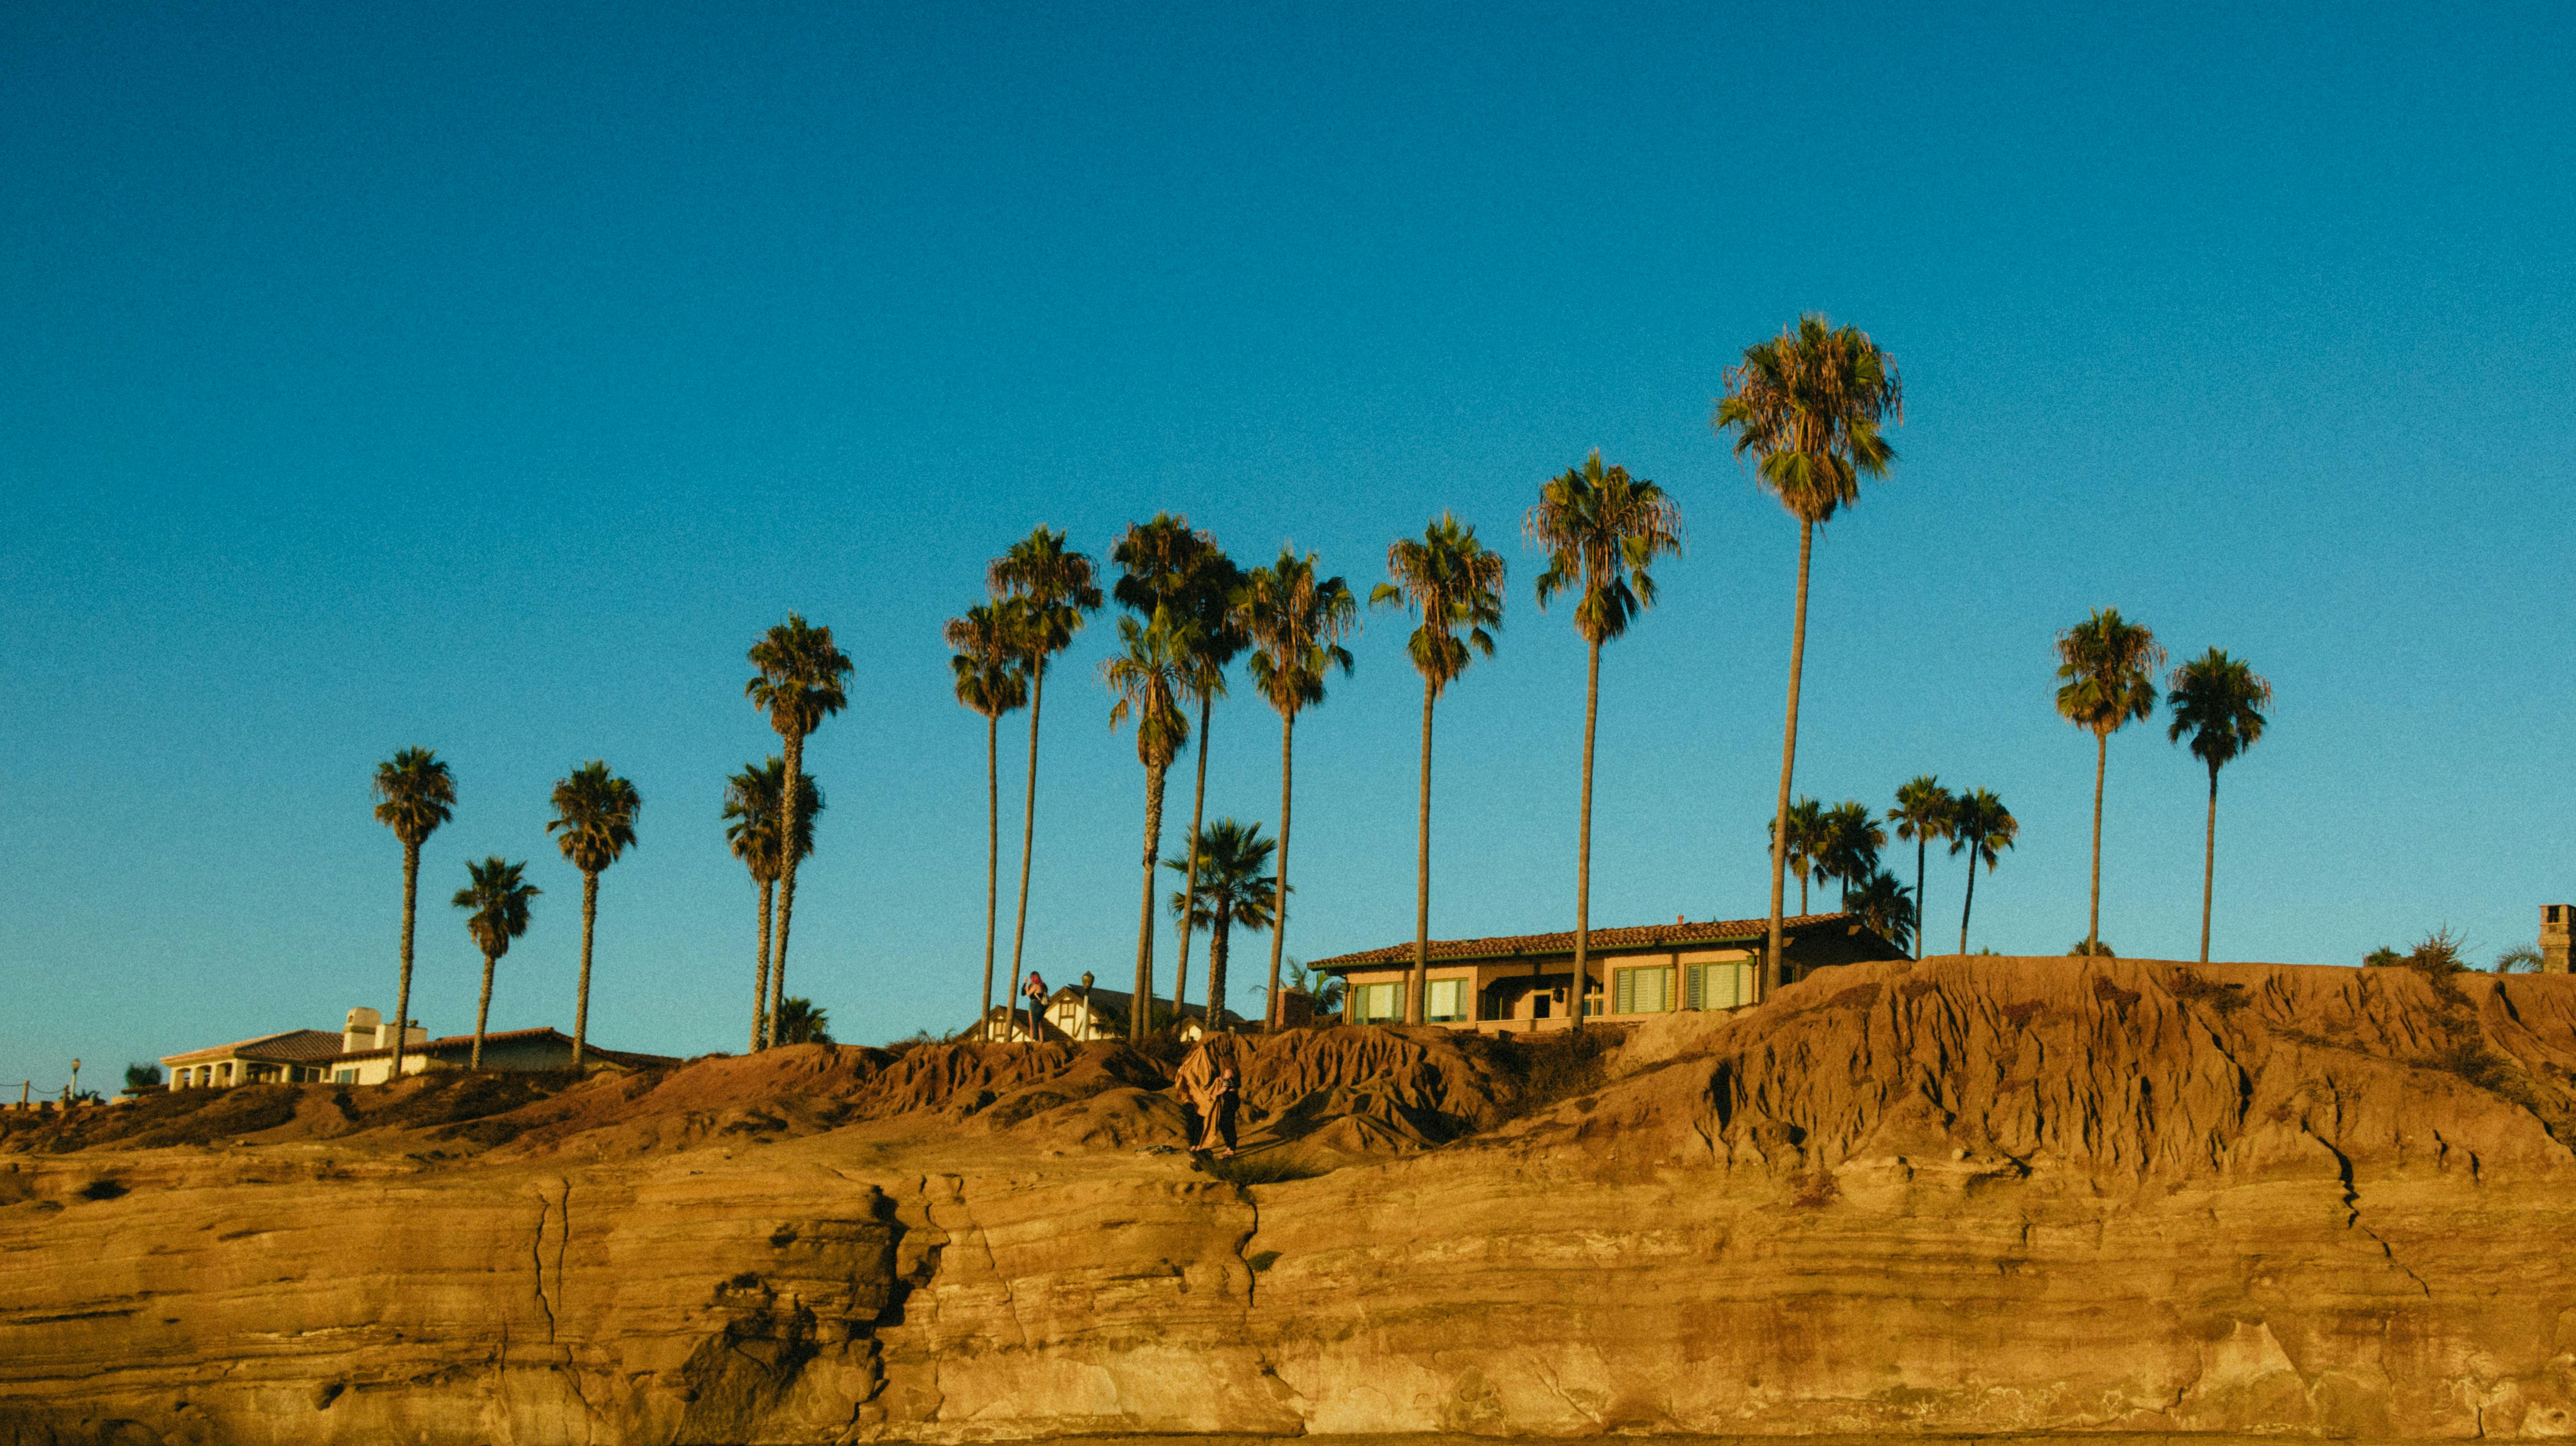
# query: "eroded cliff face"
{"type": "Point", "coordinates": [1961, 1196]}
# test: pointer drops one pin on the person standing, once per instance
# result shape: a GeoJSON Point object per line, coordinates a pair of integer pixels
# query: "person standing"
{"type": "Point", "coordinates": [1036, 991]}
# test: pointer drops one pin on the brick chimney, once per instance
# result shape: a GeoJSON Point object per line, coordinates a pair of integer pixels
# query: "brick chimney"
{"type": "Point", "coordinates": [2555, 920]}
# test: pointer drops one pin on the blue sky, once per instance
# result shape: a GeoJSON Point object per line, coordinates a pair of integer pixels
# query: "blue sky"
{"type": "Point", "coordinates": [488, 379]}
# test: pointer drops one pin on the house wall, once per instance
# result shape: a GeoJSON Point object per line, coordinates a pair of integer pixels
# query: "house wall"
{"type": "Point", "coordinates": [1496, 994]}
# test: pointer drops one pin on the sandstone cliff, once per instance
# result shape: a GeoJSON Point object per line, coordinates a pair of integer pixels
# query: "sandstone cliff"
{"type": "Point", "coordinates": [1970, 1195]}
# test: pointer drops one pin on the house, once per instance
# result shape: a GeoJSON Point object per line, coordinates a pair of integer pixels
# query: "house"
{"type": "Point", "coordinates": [362, 1053]}
{"type": "Point", "coordinates": [1519, 981]}
{"type": "Point", "coordinates": [1083, 1012]}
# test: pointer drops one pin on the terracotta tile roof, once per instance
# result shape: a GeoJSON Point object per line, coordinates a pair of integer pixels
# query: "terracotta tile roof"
{"type": "Point", "coordinates": [1604, 941]}
{"type": "Point", "coordinates": [295, 1046]}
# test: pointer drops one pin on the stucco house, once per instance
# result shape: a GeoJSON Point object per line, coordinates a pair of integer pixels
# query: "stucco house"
{"type": "Point", "coordinates": [1519, 982]}
{"type": "Point", "coordinates": [362, 1053]}
{"type": "Point", "coordinates": [1082, 1013]}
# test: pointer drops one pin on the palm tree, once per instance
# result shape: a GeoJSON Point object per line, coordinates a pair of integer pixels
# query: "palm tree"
{"type": "Point", "coordinates": [415, 794]}
{"type": "Point", "coordinates": [2219, 701]}
{"type": "Point", "coordinates": [1982, 828]}
{"type": "Point", "coordinates": [499, 899]}
{"type": "Point", "coordinates": [1168, 566]}
{"type": "Point", "coordinates": [1150, 674]}
{"type": "Point", "coordinates": [801, 1022]}
{"type": "Point", "coordinates": [1922, 814]}
{"type": "Point", "coordinates": [992, 680]}
{"type": "Point", "coordinates": [1602, 530]}
{"type": "Point", "coordinates": [594, 823]}
{"type": "Point", "coordinates": [1807, 405]}
{"type": "Point", "coordinates": [1847, 846]}
{"type": "Point", "coordinates": [1298, 622]}
{"type": "Point", "coordinates": [1885, 907]}
{"type": "Point", "coordinates": [798, 686]}
{"type": "Point", "coordinates": [1231, 886]}
{"type": "Point", "coordinates": [2109, 670]}
{"type": "Point", "coordinates": [751, 802]}
{"type": "Point", "coordinates": [1450, 581]}
{"type": "Point", "coordinates": [1805, 852]}
{"type": "Point", "coordinates": [1052, 591]}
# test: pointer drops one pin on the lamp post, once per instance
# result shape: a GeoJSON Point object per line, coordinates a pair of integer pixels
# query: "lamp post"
{"type": "Point", "coordinates": [71, 1091]}
{"type": "Point", "coordinates": [1086, 1003]}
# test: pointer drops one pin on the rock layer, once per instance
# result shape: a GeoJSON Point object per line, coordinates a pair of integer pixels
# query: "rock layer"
{"type": "Point", "coordinates": [1960, 1196]}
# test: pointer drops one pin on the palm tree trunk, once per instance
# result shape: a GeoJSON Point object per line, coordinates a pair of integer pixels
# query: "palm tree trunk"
{"type": "Point", "coordinates": [1422, 876]}
{"type": "Point", "coordinates": [1220, 940]}
{"type": "Point", "coordinates": [1141, 1002]}
{"type": "Point", "coordinates": [1920, 842]}
{"type": "Point", "coordinates": [2209, 863]}
{"type": "Point", "coordinates": [1190, 880]}
{"type": "Point", "coordinates": [1279, 915]}
{"type": "Point", "coordinates": [760, 983]}
{"type": "Point", "coordinates": [992, 859]}
{"type": "Point", "coordinates": [482, 1015]}
{"type": "Point", "coordinates": [1971, 900]}
{"type": "Point", "coordinates": [786, 874]}
{"type": "Point", "coordinates": [2101, 761]}
{"type": "Point", "coordinates": [581, 1004]}
{"type": "Point", "coordinates": [1583, 850]}
{"type": "Point", "coordinates": [1775, 968]}
{"type": "Point", "coordinates": [1028, 832]}
{"type": "Point", "coordinates": [402, 996]}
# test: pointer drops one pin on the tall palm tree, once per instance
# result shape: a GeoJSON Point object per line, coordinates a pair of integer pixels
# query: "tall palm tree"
{"type": "Point", "coordinates": [1847, 848]}
{"type": "Point", "coordinates": [1981, 828]}
{"type": "Point", "coordinates": [1450, 581]}
{"type": "Point", "coordinates": [751, 802]}
{"type": "Point", "coordinates": [1298, 621]}
{"type": "Point", "coordinates": [1601, 530]}
{"type": "Point", "coordinates": [1231, 888]}
{"type": "Point", "coordinates": [2108, 666]}
{"type": "Point", "coordinates": [499, 898]}
{"type": "Point", "coordinates": [798, 686]}
{"type": "Point", "coordinates": [594, 823]}
{"type": "Point", "coordinates": [414, 795]}
{"type": "Point", "coordinates": [1053, 592]}
{"type": "Point", "coordinates": [1150, 674]}
{"type": "Point", "coordinates": [1922, 814]}
{"type": "Point", "coordinates": [1885, 906]}
{"type": "Point", "coordinates": [992, 680]}
{"type": "Point", "coordinates": [1168, 566]}
{"type": "Point", "coordinates": [2219, 701]}
{"type": "Point", "coordinates": [1804, 851]}
{"type": "Point", "coordinates": [1807, 405]}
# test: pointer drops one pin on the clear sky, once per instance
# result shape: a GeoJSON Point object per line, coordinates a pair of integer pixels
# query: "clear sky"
{"type": "Point", "coordinates": [488, 378]}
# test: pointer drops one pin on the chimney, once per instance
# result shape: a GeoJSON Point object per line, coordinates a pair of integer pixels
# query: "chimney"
{"type": "Point", "coordinates": [365, 1026]}
{"type": "Point", "coordinates": [2554, 922]}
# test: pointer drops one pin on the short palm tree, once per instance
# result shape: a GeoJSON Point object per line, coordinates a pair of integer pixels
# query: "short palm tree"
{"type": "Point", "coordinates": [1052, 590]}
{"type": "Point", "coordinates": [1922, 814]}
{"type": "Point", "coordinates": [594, 823]}
{"type": "Point", "coordinates": [1167, 565]}
{"type": "Point", "coordinates": [1150, 674]}
{"type": "Point", "coordinates": [1847, 846]}
{"type": "Point", "coordinates": [1232, 888]}
{"type": "Point", "coordinates": [2107, 666]}
{"type": "Point", "coordinates": [414, 795]}
{"type": "Point", "coordinates": [1807, 405]}
{"type": "Point", "coordinates": [2219, 701]}
{"type": "Point", "coordinates": [1981, 827]}
{"type": "Point", "coordinates": [1451, 582]}
{"type": "Point", "coordinates": [798, 686]}
{"type": "Point", "coordinates": [751, 805]}
{"type": "Point", "coordinates": [1602, 530]}
{"type": "Point", "coordinates": [800, 1021]}
{"type": "Point", "coordinates": [499, 898]}
{"type": "Point", "coordinates": [1885, 906]}
{"type": "Point", "coordinates": [1297, 622]}
{"type": "Point", "coordinates": [1804, 851]}
{"type": "Point", "coordinates": [992, 680]}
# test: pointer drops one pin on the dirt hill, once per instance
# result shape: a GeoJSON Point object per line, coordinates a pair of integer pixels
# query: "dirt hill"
{"type": "Point", "coordinates": [1970, 1195]}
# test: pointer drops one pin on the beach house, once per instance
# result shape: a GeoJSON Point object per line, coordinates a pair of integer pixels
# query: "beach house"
{"type": "Point", "coordinates": [362, 1053]}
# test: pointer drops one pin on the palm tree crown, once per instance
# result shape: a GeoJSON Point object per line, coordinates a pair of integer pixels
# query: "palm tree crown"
{"type": "Point", "coordinates": [1451, 581]}
{"type": "Point", "coordinates": [499, 898]}
{"type": "Point", "coordinates": [1234, 882]}
{"type": "Point", "coordinates": [1981, 827]}
{"type": "Point", "coordinates": [2108, 667]}
{"type": "Point", "coordinates": [1885, 906]}
{"type": "Point", "coordinates": [751, 812]}
{"type": "Point", "coordinates": [1296, 623]}
{"type": "Point", "coordinates": [1922, 814]}
{"type": "Point", "coordinates": [1602, 530]}
{"type": "Point", "coordinates": [1054, 587]}
{"type": "Point", "coordinates": [1806, 839]}
{"type": "Point", "coordinates": [1150, 674]}
{"type": "Point", "coordinates": [2219, 701]}
{"type": "Point", "coordinates": [799, 682]}
{"type": "Point", "coordinates": [415, 794]}
{"type": "Point", "coordinates": [991, 662]}
{"type": "Point", "coordinates": [1807, 405]}
{"type": "Point", "coordinates": [594, 820]}
{"type": "Point", "coordinates": [1847, 845]}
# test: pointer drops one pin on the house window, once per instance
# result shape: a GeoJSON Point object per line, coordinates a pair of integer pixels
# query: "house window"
{"type": "Point", "coordinates": [1374, 1003]}
{"type": "Point", "coordinates": [1719, 986]}
{"type": "Point", "coordinates": [1643, 991]}
{"type": "Point", "coordinates": [1446, 1000]}
{"type": "Point", "coordinates": [344, 1076]}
